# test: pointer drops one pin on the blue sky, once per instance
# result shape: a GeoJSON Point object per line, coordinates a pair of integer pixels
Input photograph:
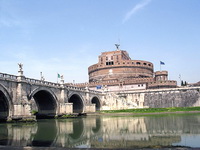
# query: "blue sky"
{"type": "Point", "coordinates": [67, 36]}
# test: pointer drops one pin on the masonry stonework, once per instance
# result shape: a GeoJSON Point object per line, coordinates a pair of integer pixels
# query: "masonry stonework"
{"type": "Point", "coordinates": [159, 98]}
{"type": "Point", "coordinates": [21, 96]}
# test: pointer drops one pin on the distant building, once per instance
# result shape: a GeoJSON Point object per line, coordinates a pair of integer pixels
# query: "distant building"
{"type": "Point", "coordinates": [194, 84]}
{"type": "Point", "coordinates": [115, 71]}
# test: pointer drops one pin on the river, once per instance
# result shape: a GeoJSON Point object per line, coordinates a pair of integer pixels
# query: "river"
{"type": "Point", "coordinates": [105, 132]}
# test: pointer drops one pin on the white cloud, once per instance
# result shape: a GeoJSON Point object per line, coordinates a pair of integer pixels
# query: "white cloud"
{"type": "Point", "coordinates": [135, 9]}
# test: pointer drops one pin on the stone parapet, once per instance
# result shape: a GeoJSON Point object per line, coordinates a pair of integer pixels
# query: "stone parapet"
{"type": "Point", "coordinates": [162, 84]}
{"type": "Point", "coordinates": [159, 73]}
{"type": "Point", "coordinates": [129, 63]}
{"type": "Point", "coordinates": [5, 76]}
{"type": "Point", "coordinates": [115, 82]}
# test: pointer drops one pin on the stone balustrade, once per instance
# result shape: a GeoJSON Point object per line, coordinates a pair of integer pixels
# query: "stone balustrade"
{"type": "Point", "coordinates": [41, 82]}
{"type": "Point", "coordinates": [8, 76]}
{"type": "Point", "coordinates": [5, 76]}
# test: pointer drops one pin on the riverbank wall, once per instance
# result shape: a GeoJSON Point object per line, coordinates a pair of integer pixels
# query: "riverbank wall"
{"type": "Point", "coordinates": [159, 98]}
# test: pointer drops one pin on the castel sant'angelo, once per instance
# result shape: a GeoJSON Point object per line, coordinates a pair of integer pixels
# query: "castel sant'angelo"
{"type": "Point", "coordinates": [116, 71]}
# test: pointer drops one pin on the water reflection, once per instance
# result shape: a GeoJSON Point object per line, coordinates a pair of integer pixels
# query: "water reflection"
{"type": "Point", "coordinates": [45, 134]}
{"type": "Point", "coordinates": [105, 132]}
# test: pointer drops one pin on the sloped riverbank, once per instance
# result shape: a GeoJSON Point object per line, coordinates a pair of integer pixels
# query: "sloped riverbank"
{"type": "Point", "coordinates": [151, 111]}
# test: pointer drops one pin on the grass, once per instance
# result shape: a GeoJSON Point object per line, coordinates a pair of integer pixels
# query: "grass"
{"type": "Point", "coordinates": [153, 110]}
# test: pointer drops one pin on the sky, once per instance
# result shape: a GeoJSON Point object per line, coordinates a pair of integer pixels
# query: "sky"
{"type": "Point", "coordinates": [67, 36]}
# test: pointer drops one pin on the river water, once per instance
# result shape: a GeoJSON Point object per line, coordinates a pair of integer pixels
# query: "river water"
{"type": "Point", "coordinates": [106, 132]}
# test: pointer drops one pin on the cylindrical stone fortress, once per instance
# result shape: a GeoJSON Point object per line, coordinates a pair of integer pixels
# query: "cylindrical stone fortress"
{"type": "Point", "coordinates": [117, 64]}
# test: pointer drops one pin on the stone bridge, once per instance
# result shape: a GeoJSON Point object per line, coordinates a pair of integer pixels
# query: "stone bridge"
{"type": "Point", "coordinates": [20, 96]}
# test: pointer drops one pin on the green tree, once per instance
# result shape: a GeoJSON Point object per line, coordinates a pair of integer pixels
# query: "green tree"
{"type": "Point", "coordinates": [182, 84]}
{"type": "Point", "coordinates": [185, 83]}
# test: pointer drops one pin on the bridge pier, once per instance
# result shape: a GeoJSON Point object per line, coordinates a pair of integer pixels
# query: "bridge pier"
{"type": "Point", "coordinates": [21, 105]}
{"type": "Point", "coordinates": [65, 108]}
{"type": "Point", "coordinates": [90, 108]}
{"type": "Point", "coordinates": [22, 111]}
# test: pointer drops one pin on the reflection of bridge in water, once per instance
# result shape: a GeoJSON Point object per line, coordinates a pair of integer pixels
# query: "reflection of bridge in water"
{"type": "Point", "coordinates": [107, 132]}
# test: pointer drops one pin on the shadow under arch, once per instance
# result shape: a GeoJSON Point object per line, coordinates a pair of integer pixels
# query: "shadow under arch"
{"type": "Point", "coordinates": [46, 133]}
{"type": "Point", "coordinates": [4, 135]}
{"type": "Point", "coordinates": [5, 104]}
{"type": "Point", "coordinates": [46, 102]}
{"type": "Point", "coordinates": [95, 100]}
{"type": "Point", "coordinates": [77, 101]}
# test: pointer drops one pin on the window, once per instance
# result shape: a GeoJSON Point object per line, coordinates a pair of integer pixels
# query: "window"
{"type": "Point", "coordinates": [101, 60]}
{"type": "Point", "coordinates": [145, 63]}
{"type": "Point", "coordinates": [138, 63]}
{"type": "Point", "coordinates": [110, 63]}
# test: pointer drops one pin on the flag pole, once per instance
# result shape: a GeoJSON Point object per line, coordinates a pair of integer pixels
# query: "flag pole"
{"type": "Point", "coordinates": [160, 66]}
{"type": "Point", "coordinates": [57, 77]}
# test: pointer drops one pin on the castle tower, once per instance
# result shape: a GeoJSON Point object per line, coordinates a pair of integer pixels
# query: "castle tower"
{"type": "Point", "coordinates": [161, 76]}
{"type": "Point", "coordinates": [117, 65]}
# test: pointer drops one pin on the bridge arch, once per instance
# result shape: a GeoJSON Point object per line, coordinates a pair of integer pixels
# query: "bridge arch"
{"type": "Point", "coordinates": [77, 101]}
{"type": "Point", "coordinates": [96, 100]}
{"type": "Point", "coordinates": [46, 102]}
{"type": "Point", "coordinates": [6, 106]}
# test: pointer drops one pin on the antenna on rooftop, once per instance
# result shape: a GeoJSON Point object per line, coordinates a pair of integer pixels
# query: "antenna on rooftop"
{"type": "Point", "coordinates": [117, 46]}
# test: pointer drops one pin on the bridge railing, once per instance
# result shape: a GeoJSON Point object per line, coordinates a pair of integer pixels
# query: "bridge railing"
{"type": "Point", "coordinates": [74, 88]}
{"type": "Point", "coordinates": [93, 91]}
{"type": "Point", "coordinates": [35, 81]}
{"type": "Point", "coordinates": [80, 89]}
{"type": "Point", "coordinates": [40, 82]}
{"type": "Point", "coordinates": [8, 76]}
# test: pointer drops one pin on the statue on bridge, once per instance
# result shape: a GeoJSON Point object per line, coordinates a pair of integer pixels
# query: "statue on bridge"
{"type": "Point", "coordinates": [62, 79]}
{"type": "Point", "coordinates": [20, 72]}
{"type": "Point", "coordinates": [20, 66]}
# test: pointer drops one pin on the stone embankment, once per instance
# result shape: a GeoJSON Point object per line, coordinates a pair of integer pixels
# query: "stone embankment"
{"type": "Point", "coordinates": [159, 98]}
{"type": "Point", "coordinates": [185, 97]}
